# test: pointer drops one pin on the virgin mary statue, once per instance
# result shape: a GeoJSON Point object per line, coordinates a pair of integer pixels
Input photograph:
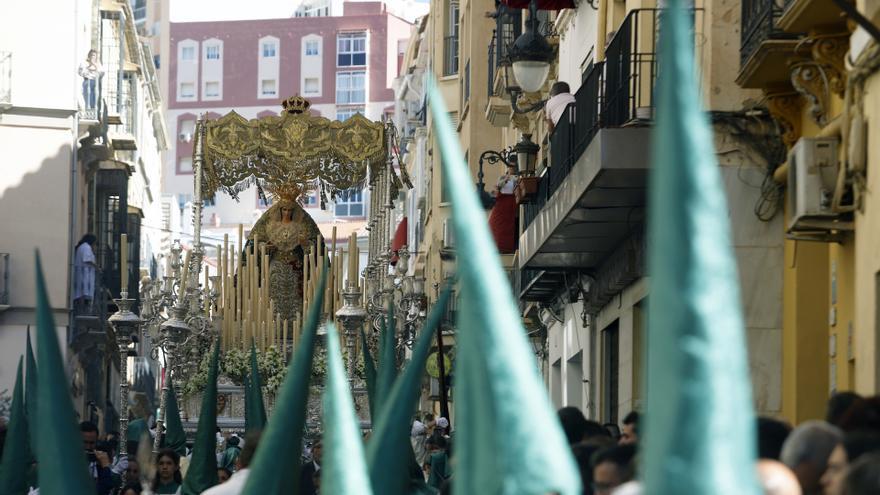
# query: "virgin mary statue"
{"type": "Point", "coordinates": [289, 233]}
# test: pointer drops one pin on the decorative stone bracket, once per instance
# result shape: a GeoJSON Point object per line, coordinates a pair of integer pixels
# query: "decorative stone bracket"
{"type": "Point", "coordinates": [785, 107]}
{"type": "Point", "coordinates": [822, 73]}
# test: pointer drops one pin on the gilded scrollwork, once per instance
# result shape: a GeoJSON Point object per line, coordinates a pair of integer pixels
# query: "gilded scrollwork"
{"type": "Point", "coordinates": [296, 149]}
{"type": "Point", "coordinates": [786, 109]}
{"type": "Point", "coordinates": [822, 73]}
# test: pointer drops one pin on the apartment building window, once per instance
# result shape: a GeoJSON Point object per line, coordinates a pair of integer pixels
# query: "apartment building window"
{"type": "Point", "coordinates": [188, 53]}
{"type": "Point", "coordinates": [351, 87]}
{"type": "Point", "coordinates": [187, 128]}
{"type": "Point", "coordinates": [268, 50]}
{"type": "Point", "coordinates": [264, 202]}
{"type": "Point", "coordinates": [351, 49]}
{"type": "Point", "coordinates": [185, 165]}
{"type": "Point", "coordinates": [450, 41]}
{"type": "Point", "coordinates": [210, 201]}
{"type": "Point", "coordinates": [187, 90]}
{"type": "Point", "coordinates": [350, 203]}
{"type": "Point", "coordinates": [212, 89]}
{"type": "Point", "coordinates": [310, 200]}
{"type": "Point", "coordinates": [312, 47]}
{"type": "Point", "coordinates": [311, 86]}
{"type": "Point", "coordinates": [267, 87]}
{"type": "Point", "coordinates": [344, 113]}
{"type": "Point", "coordinates": [212, 52]}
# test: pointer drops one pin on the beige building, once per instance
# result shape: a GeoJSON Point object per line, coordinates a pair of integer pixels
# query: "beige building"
{"type": "Point", "coordinates": [79, 157]}
{"type": "Point", "coordinates": [578, 269]}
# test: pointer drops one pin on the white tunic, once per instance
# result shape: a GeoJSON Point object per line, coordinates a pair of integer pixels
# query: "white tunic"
{"type": "Point", "coordinates": [84, 272]}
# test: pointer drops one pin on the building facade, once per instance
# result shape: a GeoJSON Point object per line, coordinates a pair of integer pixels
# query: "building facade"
{"type": "Point", "coordinates": [578, 268]}
{"type": "Point", "coordinates": [342, 59]}
{"type": "Point", "coordinates": [816, 70]}
{"type": "Point", "coordinates": [85, 157]}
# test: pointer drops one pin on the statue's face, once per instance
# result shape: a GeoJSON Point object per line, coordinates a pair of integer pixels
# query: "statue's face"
{"type": "Point", "coordinates": [286, 213]}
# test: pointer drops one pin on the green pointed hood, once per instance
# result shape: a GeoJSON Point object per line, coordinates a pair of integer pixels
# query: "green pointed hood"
{"type": "Point", "coordinates": [369, 374]}
{"type": "Point", "coordinates": [699, 423]}
{"type": "Point", "coordinates": [58, 436]}
{"type": "Point", "coordinates": [175, 437]}
{"type": "Point", "coordinates": [343, 464]}
{"type": "Point", "coordinates": [508, 440]}
{"type": "Point", "coordinates": [255, 408]}
{"type": "Point", "coordinates": [276, 468]}
{"type": "Point", "coordinates": [30, 392]}
{"type": "Point", "coordinates": [16, 459]}
{"type": "Point", "coordinates": [389, 451]}
{"type": "Point", "coordinates": [202, 472]}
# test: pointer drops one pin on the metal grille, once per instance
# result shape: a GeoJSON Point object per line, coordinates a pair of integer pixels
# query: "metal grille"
{"type": "Point", "coordinates": [759, 24]}
{"type": "Point", "coordinates": [631, 67]}
{"type": "Point", "coordinates": [508, 27]}
{"type": "Point", "coordinates": [112, 56]}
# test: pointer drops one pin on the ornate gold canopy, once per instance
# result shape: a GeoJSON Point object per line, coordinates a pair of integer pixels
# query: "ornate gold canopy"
{"type": "Point", "coordinates": [293, 151]}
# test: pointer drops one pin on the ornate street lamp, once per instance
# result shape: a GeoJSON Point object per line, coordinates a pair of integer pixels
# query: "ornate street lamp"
{"type": "Point", "coordinates": [505, 156]}
{"type": "Point", "coordinates": [531, 55]}
{"type": "Point", "coordinates": [526, 154]}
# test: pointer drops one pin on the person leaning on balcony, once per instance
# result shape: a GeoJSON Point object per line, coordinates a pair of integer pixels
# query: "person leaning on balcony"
{"type": "Point", "coordinates": [84, 271]}
{"type": "Point", "coordinates": [560, 98]}
{"type": "Point", "coordinates": [90, 70]}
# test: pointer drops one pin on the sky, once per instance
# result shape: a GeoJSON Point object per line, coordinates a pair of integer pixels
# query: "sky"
{"type": "Point", "coordinates": [215, 10]}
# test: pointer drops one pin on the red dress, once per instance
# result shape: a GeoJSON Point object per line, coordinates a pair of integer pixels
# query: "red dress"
{"type": "Point", "coordinates": [502, 219]}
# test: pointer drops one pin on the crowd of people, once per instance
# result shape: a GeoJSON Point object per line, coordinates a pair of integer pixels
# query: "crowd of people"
{"type": "Point", "coordinates": [839, 455]}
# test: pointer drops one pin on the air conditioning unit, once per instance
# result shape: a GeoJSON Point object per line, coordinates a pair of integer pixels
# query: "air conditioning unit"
{"type": "Point", "coordinates": [812, 176]}
{"type": "Point", "coordinates": [186, 137]}
{"type": "Point", "coordinates": [448, 235]}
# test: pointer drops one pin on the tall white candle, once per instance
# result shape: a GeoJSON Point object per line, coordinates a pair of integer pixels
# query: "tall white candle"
{"type": "Point", "coordinates": [123, 262]}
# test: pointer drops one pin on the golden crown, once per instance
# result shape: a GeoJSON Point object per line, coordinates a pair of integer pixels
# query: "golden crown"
{"type": "Point", "coordinates": [286, 193]}
{"type": "Point", "coordinates": [296, 105]}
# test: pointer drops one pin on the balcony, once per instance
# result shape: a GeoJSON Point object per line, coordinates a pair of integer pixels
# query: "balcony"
{"type": "Point", "coordinates": [765, 49]}
{"type": "Point", "coordinates": [5, 80]}
{"type": "Point", "coordinates": [508, 27]}
{"type": "Point", "coordinates": [801, 16]}
{"type": "Point", "coordinates": [591, 198]}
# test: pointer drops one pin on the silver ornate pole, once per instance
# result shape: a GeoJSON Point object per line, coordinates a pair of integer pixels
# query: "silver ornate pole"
{"type": "Point", "coordinates": [173, 332]}
{"type": "Point", "coordinates": [351, 316]}
{"type": "Point", "coordinates": [198, 162]}
{"type": "Point", "coordinates": [125, 324]}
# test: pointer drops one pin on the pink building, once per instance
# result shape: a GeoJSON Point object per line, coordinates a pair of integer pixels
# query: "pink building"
{"type": "Point", "coordinates": [343, 64]}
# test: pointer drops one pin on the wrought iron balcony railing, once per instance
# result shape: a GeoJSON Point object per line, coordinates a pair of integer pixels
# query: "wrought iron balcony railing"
{"type": "Point", "coordinates": [759, 19]}
{"type": "Point", "coordinates": [508, 27]}
{"type": "Point", "coordinates": [450, 55]}
{"type": "Point", "coordinates": [614, 93]}
{"type": "Point", "coordinates": [631, 68]}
